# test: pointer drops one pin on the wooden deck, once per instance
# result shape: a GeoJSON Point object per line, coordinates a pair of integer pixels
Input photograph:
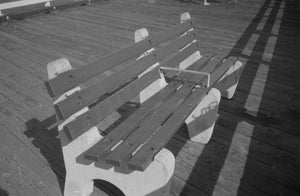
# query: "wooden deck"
{"type": "Point", "coordinates": [255, 149]}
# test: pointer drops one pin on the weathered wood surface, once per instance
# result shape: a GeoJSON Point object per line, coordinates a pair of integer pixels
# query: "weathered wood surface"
{"type": "Point", "coordinates": [18, 9]}
{"type": "Point", "coordinates": [255, 145]}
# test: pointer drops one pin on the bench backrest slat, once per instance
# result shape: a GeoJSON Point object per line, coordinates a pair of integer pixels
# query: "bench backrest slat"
{"type": "Point", "coordinates": [88, 95]}
{"type": "Point", "coordinates": [182, 55]}
{"type": "Point", "coordinates": [172, 32]}
{"type": "Point", "coordinates": [109, 105]}
{"type": "Point", "coordinates": [85, 97]}
{"type": "Point", "coordinates": [175, 45]}
{"type": "Point", "coordinates": [72, 78]}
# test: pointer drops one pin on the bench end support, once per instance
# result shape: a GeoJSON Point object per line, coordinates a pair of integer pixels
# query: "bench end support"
{"type": "Point", "coordinates": [202, 120]}
{"type": "Point", "coordinates": [155, 180]}
{"type": "Point", "coordinates": [228, 83]}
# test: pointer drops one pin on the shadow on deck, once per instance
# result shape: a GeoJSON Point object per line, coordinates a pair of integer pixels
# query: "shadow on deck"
{"type": "Point", "coordinates": [263, 112]}
{"type": "Point", "coordinates": [274, 52]}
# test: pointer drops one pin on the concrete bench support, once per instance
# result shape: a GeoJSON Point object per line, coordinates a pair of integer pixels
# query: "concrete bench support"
{"type": "Point", "coordinates": [79, 177]}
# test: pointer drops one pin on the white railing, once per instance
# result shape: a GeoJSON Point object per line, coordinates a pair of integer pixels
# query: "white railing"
{"type": "Point", "coordinates": [21, 3]}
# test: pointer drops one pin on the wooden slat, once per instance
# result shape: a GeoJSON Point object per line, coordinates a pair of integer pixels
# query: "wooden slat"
{"type": "Point", "coordinates": [145, 154]}
{"type": "Point", "coordinates": [110, 104]}
{"type": "Point", "coordinates": [70, 79]}
{"type": "Point", "coordinates": [85, 97]}
{"type": "Point", "coordinates": [148, 127]}
{"type": "Point", "coordinates": [176, 45]}
{"type": "Point", "coordinates": [171, 32]}
{"type": "Point", "coordinates": [174, 62]}
{"type": "Point", "coordinates": [221, 70]}
{"type": "Point", "coordinates": [130, 124]}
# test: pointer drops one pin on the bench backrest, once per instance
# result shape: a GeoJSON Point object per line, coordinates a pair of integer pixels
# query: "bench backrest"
{"type": "Point", "coordinates": [81, 108]}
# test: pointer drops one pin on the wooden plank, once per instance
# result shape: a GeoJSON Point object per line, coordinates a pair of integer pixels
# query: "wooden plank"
{"type": "Point", "coordinates": [144, 156]}
{"type": "Point", "coordinates": [219, 159]}
{"type": "Point", "coordinates": [175, 45]}
{"type": "Point", "coordinates": [179, 184]}
{"type": "Point", "coordinates": [119, 154]}
{"type": "Point", "coordinates": [85, 97]}
{"type": "Point", "coordinates": [266, 134]}
{"type": "Point", "coordinates": [40, 146]}
{"type": "Point", "coordinates": [28, 174]}
{"type": "Point", "coordinates": [25, 64]}
{"type": "Point", "coordinates": [37, 52]}
{"type": "Point", "coordinates": [88, 95]}
{"type": "Point", "coordinates": [16, 88]}
{"type": "Point", "coordinates": [110, 104]}
{"type": "Point", "coordinates": [147, 127]}
{"type": "Point", "coordinates": [74, 77]}
{"type": "Point", "coordinates": [130, 124]}
{"type": "Point", "coordinates": [181, 55]}
{"type": "Point", "coordinates": [240, 144]}
{"type": "Point", "coordinates": [125, 149]}
{"type": "Point", "coordinates": [93, 46]}
{"type": "Point", "coordinates": [153, 121]}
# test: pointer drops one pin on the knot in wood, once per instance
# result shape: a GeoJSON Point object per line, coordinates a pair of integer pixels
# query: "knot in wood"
{"type": "Point", "coordinates": [79, 100]}
{"type": "Point", "coordinates": [71, 79]}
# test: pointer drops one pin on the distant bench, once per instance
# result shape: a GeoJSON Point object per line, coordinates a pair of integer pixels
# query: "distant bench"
{"type": "Point", "coordinates": [131, 155]}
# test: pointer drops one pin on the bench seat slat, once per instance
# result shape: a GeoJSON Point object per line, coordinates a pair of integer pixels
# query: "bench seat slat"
{"type": "Point", "coordinates": [85, 97]}
{"type": "Point", "coordinates": [147, 127]}
{"type": "Point", "coordinates": [72, 78]}
{"type": "Point", "coordinates": [145, 154]}
{"type": "Point", "coordinates": [103, 146]}
{"type": "Point", "coordinates": [126, 127]}
{"type": "Point", "coordinates": [131, 123]}
{"type": "Point", "coordinates": [152, 122]}
{"type": "Point", "coordinates": [141, 160]}
{"type": "Point", "coordinates": [103, 109]}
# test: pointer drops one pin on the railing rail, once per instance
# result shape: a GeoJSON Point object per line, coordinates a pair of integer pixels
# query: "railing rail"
{"type": "Point", "coordinates": [21, 3]}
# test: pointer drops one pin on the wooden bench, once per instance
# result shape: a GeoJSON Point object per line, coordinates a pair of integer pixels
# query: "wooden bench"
{"type": "Point", "coordinates": [131, 155]}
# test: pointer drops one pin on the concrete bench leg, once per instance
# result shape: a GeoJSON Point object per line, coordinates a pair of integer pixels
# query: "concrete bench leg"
{"type": "Point", "coordinates": [76, 186]}
{"type": "Point", "coordinates": [154, 180]}
{"type": "Point", "coordinates": [228, 83]}
{"type": "Point", "coordinates": [202, 120]}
